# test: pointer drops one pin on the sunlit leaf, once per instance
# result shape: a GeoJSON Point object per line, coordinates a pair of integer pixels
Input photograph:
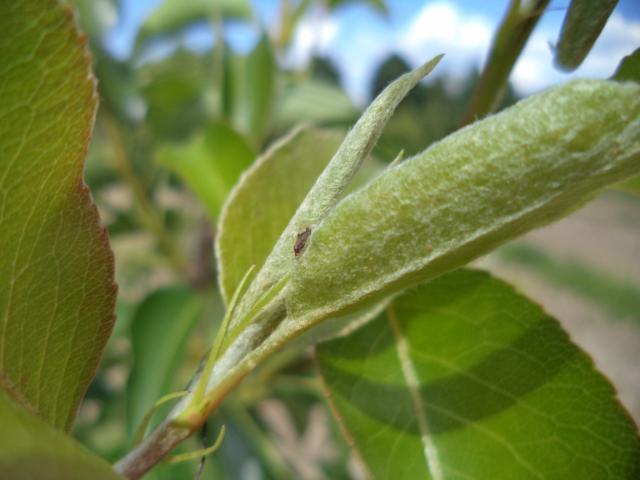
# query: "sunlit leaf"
{"type": "Point", "coordinates": [57, 295]}
{"type": "Point", "coordinates": [30, 449]}
{"type": "Point", "coordinates": [159, 331]}
{"type": "Point", "coordinates": [465, 378]}
{"type": "Point", "coordinates": [582, 26]}
{"type": "Point", "coordinates": [479, 187]}
{"type": "Point", "coordinates": [266, 197]}
{"type": "Point", "coordinates": [331, 185]}
{"type": "Point", "coordinates": [210, 163]}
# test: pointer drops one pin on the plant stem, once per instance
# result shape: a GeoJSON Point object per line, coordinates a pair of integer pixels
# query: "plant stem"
{"type": "Point", "coordinates": [161, 441]}
{"type": "Point", "coordinates": [508, 43]}
{"type": "Point", "coordinates": [146, 212]}
{"type": "Point", "coordinates": [185, 419]}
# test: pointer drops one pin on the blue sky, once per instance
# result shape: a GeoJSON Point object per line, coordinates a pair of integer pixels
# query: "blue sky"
{"type": "Point", "coordinates": [357, 38]}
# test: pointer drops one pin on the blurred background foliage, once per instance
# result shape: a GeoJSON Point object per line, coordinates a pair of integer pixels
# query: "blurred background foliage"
{"type": "Point", "coordinates": [172, 136]}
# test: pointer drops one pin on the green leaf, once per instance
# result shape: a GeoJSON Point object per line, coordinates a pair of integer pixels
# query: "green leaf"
{"type": "Point", "coordinates": [57, 296]}
{"type": "Point", "coordinates": [330, 186]}
{"type": "Point", "coordinates": [210, 163]}
{"type": "Point", "coordinates": [481, 186]}
{"type": "Point", "coordinates": [582, 26]}
{"type": "Point", "coordinates": [629, 68]}
{"type": "Point", "coordinates": [174, 89]}
{"type": "Point", "coordinates": [31, 449]}
{"type": "Point", "coordinates": [159, 331]}
{"type": "Point", "coordinates": [465, 378]}
{"type": "Point", "coordinates": [259, 207]}
{"type": "Point", "coordinates": [313, 101]}
{"type": "Point", "coordinates": [172, 16]}
{"type": "Point", "coordinates": [249, 87]}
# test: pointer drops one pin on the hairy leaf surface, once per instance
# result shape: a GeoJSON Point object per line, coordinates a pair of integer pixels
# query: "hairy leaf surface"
{"type": "Point", "coordinates": [266, 197]}
{"type": "Point", "coordinates": [479, 187]}
{"type": "Point", "coordinates": [465, 378]}
{"type": "Point", "coordinates": [56, 274]}
{"type": "Point", "coordinates": [210, 164]}
{"type": "Point", "coordinates": [31, 449]}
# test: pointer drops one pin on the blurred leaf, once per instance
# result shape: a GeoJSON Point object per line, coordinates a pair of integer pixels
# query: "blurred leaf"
{"type": "Point", "coordinates": [485, 184]}
{"type": "Point", "coordinates": [582, 26]}
{"type": "Point", "coordinates": [629, 68]}
{"type": "Point", "coordinates": [97, 16]}
{"type": "Point", "coordinates": [172, 16]}
{"type": "Point", "coordinates": [174, 89]}
{"type": "Point", "coordinates": [159, 331]}
{"type": "Point", "coordinates": [465, 378]}
{"type": "Point", "coordinates": [316, 102]}
{"type": "Point", "coordinates": [630, 186]}
{"type": "Point", "coordinates": [209, 163]}
{"type": "Point", "coordinates": [31, 449]}
{"type": "Point", "coordinates": [618, 297]}
{"type": "Point", "coordinates": [58, 295]}
{"type": "Point", "coordinates": [249, 89]}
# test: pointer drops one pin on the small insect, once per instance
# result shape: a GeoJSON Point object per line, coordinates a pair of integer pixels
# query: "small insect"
{"type": "Point", "coordinates": [301, 241]}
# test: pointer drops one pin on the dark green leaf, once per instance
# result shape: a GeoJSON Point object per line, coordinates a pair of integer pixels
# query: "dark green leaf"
{"type": "Point", "coordinates": [57, 296]}
{"type": "Point", "coordinates": [582, 26]}
{"type": "Point", "coordinates": [465, 378]}
{"type": "Point", "coordinates": [629, 68]}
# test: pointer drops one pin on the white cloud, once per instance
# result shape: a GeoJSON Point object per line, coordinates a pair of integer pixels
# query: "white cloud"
{"type": "Point", "coordinates": [464, 37]}
{"type": "Point", "coordinates": [443, 28]}
{"type": "Point", "coordinates": [313, 35]}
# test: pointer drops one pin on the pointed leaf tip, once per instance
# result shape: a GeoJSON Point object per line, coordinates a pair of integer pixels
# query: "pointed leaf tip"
{"type": "Point", "coordinates": [336, 177]}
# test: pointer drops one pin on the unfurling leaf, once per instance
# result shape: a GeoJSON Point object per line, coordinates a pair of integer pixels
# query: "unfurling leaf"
{"type": "Point", "coordinates": [330, 186]}
{"type": "Point", "coordinates": [465, 195]}
{"type": "Point", "coordinates": [268, 194]}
